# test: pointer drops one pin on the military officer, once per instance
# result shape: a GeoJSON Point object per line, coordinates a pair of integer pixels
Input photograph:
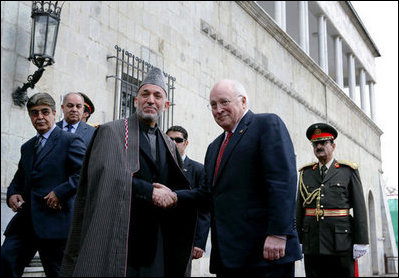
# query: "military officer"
{"type": "Point", "coordinates": [332, 238]}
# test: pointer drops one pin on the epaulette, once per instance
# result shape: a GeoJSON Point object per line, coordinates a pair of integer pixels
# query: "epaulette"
{"type": "Point", "coordinates": [351, 164]}
{"type": "Point", "coordinates": [94, 125]}
{"type": "Point", "coordinates": [312, 164]}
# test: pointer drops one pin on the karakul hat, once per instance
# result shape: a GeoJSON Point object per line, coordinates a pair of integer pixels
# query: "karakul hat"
{"type": "Point", "coordinates": [155, 77]}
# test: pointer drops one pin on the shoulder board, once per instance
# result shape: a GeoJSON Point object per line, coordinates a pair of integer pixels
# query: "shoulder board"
{"type": "Point", "coordinates": [93, 125]}
{"type": "Point", "coordinates": [351, 164]}
{"type": "Point", "coordinates": [312, 164]}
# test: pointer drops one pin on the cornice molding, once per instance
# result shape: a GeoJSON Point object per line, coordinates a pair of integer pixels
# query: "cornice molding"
{"type": "Point", "coordinates": [294, 49]}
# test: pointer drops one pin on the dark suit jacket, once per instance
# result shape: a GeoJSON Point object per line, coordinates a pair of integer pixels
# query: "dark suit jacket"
{"type": "Point", "coordinates": [194, 172]}
{"type": "Point", "coordinates": [341, 188]}
{"type": "Point", "coordinates": [254, 192]}
{"type": "Point", "coordinates": [84, 130]}
{"type": "Point", "coordinates": [56, 168]}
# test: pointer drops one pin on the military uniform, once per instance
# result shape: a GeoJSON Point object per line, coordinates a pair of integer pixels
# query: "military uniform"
{"type": "Point", "coordinates": [326, 228]}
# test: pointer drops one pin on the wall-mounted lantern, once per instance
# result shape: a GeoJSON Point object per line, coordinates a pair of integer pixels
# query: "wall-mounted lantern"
{"type": "Point", "coordinates": [45, 24]}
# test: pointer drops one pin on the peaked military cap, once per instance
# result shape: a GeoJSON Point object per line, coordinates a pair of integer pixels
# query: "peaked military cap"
{"type": "Point", "coordinates": [321, 132]}
{"type": "Point", "coordinates": [89, 106]}
{"type": "Point", "coordinates": [155, 77]}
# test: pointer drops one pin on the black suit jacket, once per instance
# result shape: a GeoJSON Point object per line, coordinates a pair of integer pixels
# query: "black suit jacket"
{"type": "Point", "coordinates": [84, 130]}
{"type": "Point", "coordinates": [56, 168]}
{"type": "Point", "coordinates": [194, 172]}
{"type": "Point", "coordinates": [254, 192]}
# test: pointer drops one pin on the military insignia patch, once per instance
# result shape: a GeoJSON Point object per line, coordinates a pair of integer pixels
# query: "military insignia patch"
{"type": "Point", "coordinates": [336, 165]}
{"type": "Point", "coordinates": [317, 131]}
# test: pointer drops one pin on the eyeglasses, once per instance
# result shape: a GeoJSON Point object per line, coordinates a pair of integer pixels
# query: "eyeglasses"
{"type": "Point", "coordinates": [35, 113]}
{"type": "Point", "coordinates": [177, 139]}
{"type": "Point", "coordinates": [223, 103]}
{"type": "Point", "coordinates": [314, 144]}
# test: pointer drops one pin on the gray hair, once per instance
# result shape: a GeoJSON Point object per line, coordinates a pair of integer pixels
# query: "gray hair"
{"type": "Point", "coordinates": [41, 99]}
{"type": "Point", "coordinates": [239, 89]}
{"type": "Point", "coordinates": [72, 93]}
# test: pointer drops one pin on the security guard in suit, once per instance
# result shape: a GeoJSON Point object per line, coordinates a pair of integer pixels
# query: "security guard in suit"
{"type": "Point", "coordinates": [332, 237]}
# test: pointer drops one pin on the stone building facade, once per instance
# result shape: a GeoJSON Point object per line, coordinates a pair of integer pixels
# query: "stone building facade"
{"type": "Point", "coordinates": [307, 61]}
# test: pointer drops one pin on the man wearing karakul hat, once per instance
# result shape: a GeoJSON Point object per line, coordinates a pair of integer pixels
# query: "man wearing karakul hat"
{"type": "Point", "coordinates": [332, 239]}
{"type": "Point", "coordinates": [125, 219]}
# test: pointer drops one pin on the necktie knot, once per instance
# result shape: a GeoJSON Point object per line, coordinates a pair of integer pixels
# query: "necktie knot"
{"type": "Point", "coordinates": [69, 127]}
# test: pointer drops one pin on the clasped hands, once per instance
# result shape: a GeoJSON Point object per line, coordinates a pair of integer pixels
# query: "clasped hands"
{"type": "Point", "coordinates": [162, 196]}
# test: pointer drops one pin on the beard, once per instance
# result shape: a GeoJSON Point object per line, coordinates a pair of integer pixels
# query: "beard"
{"type": "Point", "coordinates": [148, 117]}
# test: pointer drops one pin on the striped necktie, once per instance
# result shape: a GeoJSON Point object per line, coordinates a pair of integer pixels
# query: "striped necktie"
{"type": "Point", "coordinates": [38, 144]}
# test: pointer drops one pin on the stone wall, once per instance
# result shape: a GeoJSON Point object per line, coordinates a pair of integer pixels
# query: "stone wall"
{"type": "Point", "coordinates": [199, 43]}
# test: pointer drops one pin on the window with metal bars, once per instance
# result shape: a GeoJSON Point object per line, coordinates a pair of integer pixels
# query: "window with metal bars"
{"type": "Point", "coordinates": [129, 72]}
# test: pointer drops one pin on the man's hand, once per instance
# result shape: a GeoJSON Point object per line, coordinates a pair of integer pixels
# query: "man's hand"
{"type": "Point", "coordinates": [15, 202]}
{"type": "Point", "coordinates": [162, 196]}
{"type": "Point", "coordinates": [197, 253]}
{"type": "Point", "coordinates": [274, 248]}
{"type": "Point", "coordinates": [52, 200]}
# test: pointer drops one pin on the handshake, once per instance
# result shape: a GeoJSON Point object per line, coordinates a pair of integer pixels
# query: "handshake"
{"type": "Point", "coordinates": [163, 197]}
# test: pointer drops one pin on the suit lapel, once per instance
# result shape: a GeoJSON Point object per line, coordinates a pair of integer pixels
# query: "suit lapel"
{"type": "Point", "coordinates": [81, 128]}
{"type": "Point", "coordinates": [187, 166]}
{"type": "Point", "coordinates": [332, 171]}
{"type": "Point", "coordinates": [234, 140]}
{"type": "Point", "coordinates": [214, 152]}
{"type": "Point", "coordinates": [49, 145]}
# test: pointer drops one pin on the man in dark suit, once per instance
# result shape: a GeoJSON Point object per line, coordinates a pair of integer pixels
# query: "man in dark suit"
{"type": "Point", "coordinates": [194, 172]}
{"type": "Point", "coordinates": [332, 238]}
{"type": "Point", "coordinates": [42, 193]}
{"type": "Point", "coordinates": [251, 174]}
{"type": "Point", "coordinates": [73, 107]}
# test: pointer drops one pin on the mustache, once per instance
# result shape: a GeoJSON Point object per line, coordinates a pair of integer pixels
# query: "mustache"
{"type": "Point", "coordinates": [319, 150]}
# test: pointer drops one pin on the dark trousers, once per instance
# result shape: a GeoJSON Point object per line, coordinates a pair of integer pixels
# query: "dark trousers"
{"type": "Point", "coordinates": [277, 270]}
{"type": "Point", "coordinates": [329, 266]}
{"type": "Point", "coordinates": [19, 249]}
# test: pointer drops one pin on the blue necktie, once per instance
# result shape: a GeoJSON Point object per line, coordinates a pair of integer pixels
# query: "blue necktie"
{"type": "Point", "coordinates": [38, 144]}
{"type": "Point", "coordinates": [69, 127]}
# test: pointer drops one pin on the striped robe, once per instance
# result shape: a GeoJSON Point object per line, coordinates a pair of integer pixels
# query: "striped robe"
{"type": "Point", "coordinates": [97, 243]}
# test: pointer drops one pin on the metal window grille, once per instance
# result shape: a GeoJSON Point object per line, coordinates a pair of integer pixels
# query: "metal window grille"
{"type": "Point", "coordinates": [129, 72]}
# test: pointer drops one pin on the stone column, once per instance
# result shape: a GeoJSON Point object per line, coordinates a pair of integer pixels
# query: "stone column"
{"type": "Point", "coordinates": [372, 101]}
{"type": "Point", "coordinates": [339, 70]}
{"type": "Point", "coordinates": [362, 83]}
{"type": "Point", "coordinates": [279, 14]}
{"type": "Point", "coordinates": [323, 54]}
{"type": "Point", "coordinates": [304, 26]}
{"type": "Point", "coordinates": [351, 77]}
